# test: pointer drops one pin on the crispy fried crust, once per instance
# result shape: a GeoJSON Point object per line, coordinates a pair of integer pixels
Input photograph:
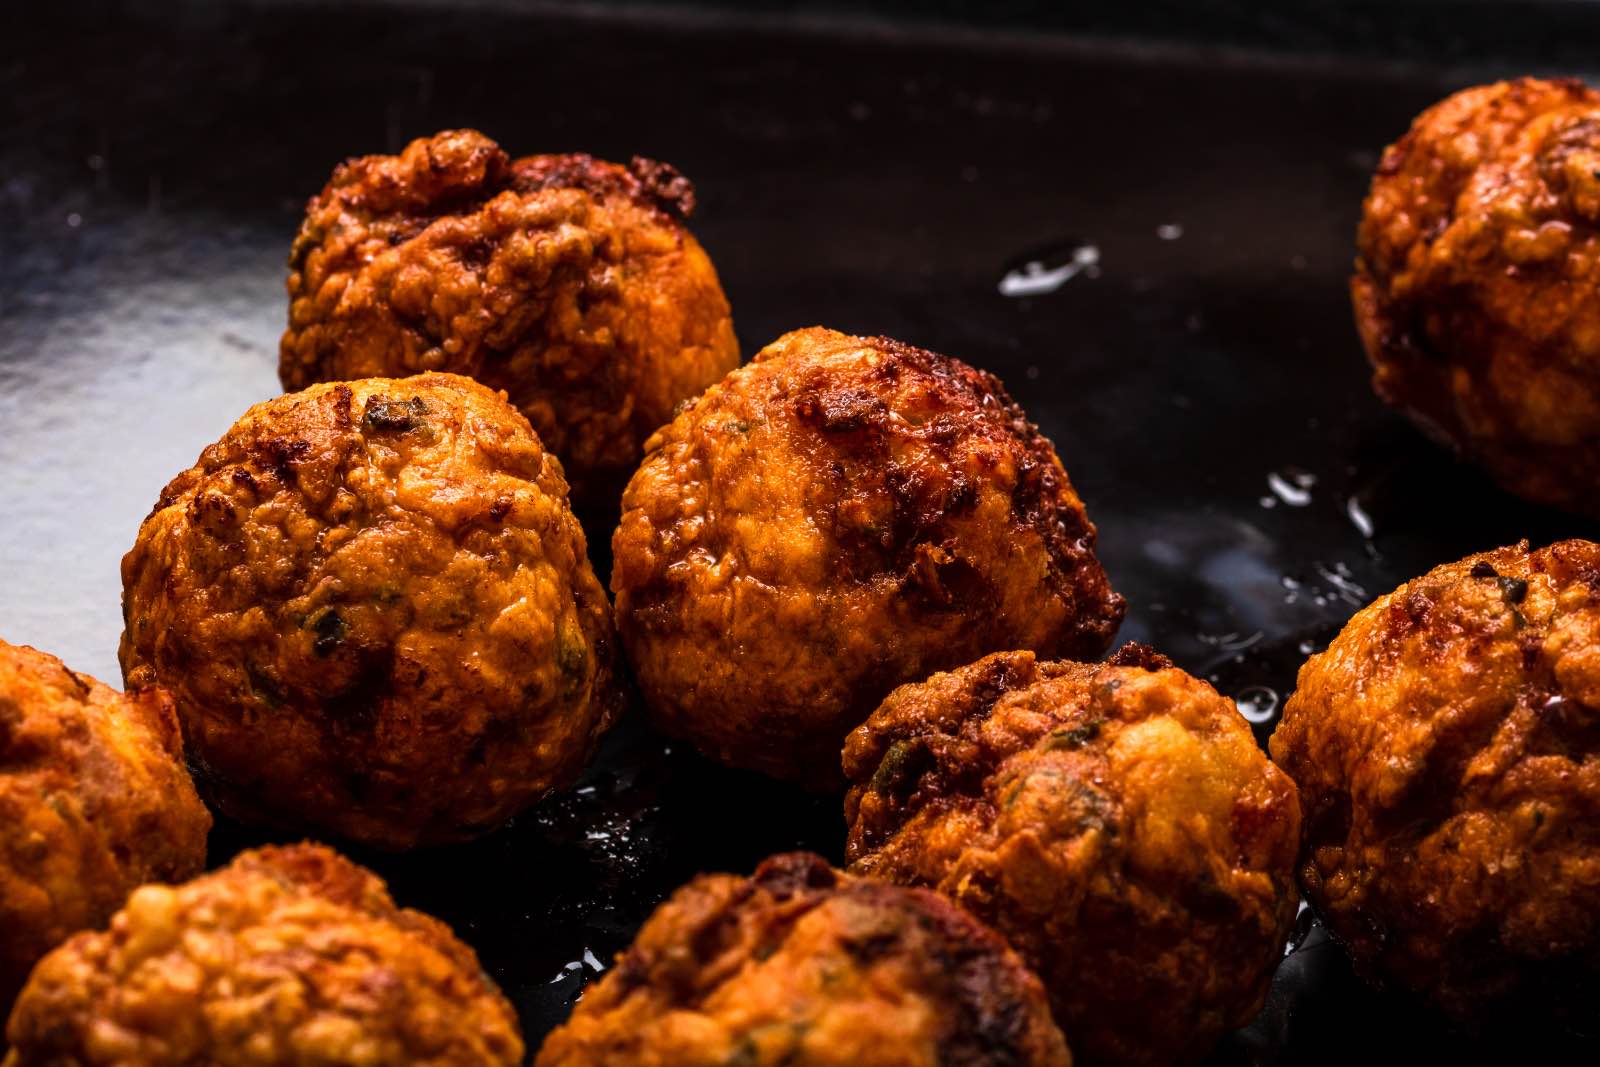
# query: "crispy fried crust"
{"type": "Point", "coordinates": [1115, 822]}
{"type": "Point", "coordinates": [94, 801]}
{"type": "Point", "coordinates": [376, 612]}
{"type": "Point", "coordinates": [1447, 747]}
{"type": "Point", "coordinates": [837, 517]}
{"type": "Point", "coordinates": [803, 966]}
{"type": "Point", "coordinates": [569, 282]}
{"type": "Point", "coordinates": [1477, 285]}
{"type": "Point", "coordinates": [287, 956]}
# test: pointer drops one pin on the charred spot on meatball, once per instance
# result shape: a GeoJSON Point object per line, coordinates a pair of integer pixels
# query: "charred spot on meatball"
{"type": "Point", "coordinates": [387, 415]}
{"type": "Point", "coordinates": [376, 613]}
{"type": "Point", "coordinates": [1448, 756]}
{"type": "Point", "coordinates": [1115, 822]}
{"type": "Point", "coordinates": [94, 800]}
{"type": "Point", "coordinates": [287, 955]}
{"type": "Point", "coordinates": [571, 283]}
{"type": "Point", "coordinates": [802, 964]}
{"type": "Point", "coordinates": [837, 517]}
{"type": "Point", "coordinates": [1474, 284]}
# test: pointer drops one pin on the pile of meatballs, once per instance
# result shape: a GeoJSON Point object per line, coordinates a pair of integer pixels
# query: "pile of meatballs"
{"type": "Point", "coordinates": [368, 614]}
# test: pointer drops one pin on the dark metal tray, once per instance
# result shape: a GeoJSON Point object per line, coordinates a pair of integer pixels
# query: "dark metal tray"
{"type": "Point", "coordinates": [1198, 369]}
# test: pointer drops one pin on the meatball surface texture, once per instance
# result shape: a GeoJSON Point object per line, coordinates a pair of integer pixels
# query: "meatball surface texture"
{"type": "Point", "coordinates": [803, 966]}
{"type": "Point", "coordinates": [1115, 822]}
{"type": "Point", "coordinates": [837, 517]}
{"type": "Point", "coordinates": [375, 610]}
{"type": "Point", "coordinates": [94, 801]}
{"type": "Point", "coordinates": [287, 957]}
{"type": "Point", "coordinates": [1447, 749]}
{"type": "Point", "coordinates": [1477, 285]}
{"type": "Point", "coordinates": [569, 282]}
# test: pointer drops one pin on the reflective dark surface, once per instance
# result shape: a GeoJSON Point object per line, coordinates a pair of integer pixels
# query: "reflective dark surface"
{"type": "Point", "coordinates": [1149, 245]}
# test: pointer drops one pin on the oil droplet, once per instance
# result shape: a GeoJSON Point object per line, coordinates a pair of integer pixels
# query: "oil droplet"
{"type": "Point", "coordinates": [1169, 231]}
{"type": "Point", "coordinates": [74, 220]}
{"type": "Point", "coordinates": [1292, 486]}
{"type": "Point", "coordinates": [566, 972]}
{"type": "Point", "coordinates": [1230, 642]}
{"type": "Point", "coordinates": [1344, 585]}
{"type": "Point", "coordinates": [1305, 920]}
{"type": "Point", "coordinates": [1049, 269]}
{"type": "Point", "coordinates": [1257, 703]}
{"type": "Point", "coordinates": [1359, 518]}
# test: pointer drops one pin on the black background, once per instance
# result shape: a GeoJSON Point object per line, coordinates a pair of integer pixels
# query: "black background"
{"type": "Point", "coordinates": [876, 168]}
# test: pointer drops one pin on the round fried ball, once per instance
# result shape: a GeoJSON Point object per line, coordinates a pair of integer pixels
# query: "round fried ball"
{"type": "Point", "coordinates": [803, 966]}
{"type": "Point", "coordinates": [286, 957]}
{"type": "Point", "coordinates": [376, 612]}
{"type": "Point", "coordinates": [837, 517]}
{"type": "Point", "coordinates": [1477, 287]}
{"type": "Point", "coordinates": [1447, 748]}
{"type": "Point", "coordinates": [94, 800]}
{"type": "Point", "coordinates": [1116, 822]}
{"type": "Point", "coordinates": [569, 282]}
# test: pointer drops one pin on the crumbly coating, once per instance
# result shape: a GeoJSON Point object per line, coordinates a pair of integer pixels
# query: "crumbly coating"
{"type": "Point", "coordinates": [803, 966]}
{"type": "Point", "coordinates": [1116, 822]}
{"type": "Point", "coordinates": [1477, 286]}
{"type": "Point", "coordinates": [837, 517]}
{"type": "Point", "coordinates": [376, 613]}
{"type": "Point", "coordinates": [287, 957]}
{"type": "Point", "coordinates": [1447, 747]}
{"type": "Point", "coordinates": [94, 800]}
{"type": "Point", "coordinates": [568, 282]}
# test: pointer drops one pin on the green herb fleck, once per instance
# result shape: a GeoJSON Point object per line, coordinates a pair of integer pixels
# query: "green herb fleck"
{"type": "Point", "coordinates": [330, 628]}
{"type": "Point", "coordinates": [1073, 737]}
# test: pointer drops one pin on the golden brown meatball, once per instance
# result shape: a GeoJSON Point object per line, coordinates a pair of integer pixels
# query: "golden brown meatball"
{"type": "Point", "coordinates": [1447, 748]}
{"type": "Point", "coordinates": [1477, 287]}
{"type": "Point", "coordinates": [569, 282]}
{"type": "Point", "coordinates": [839, 516]}
{"type": "Point", "coordinates": [802, 966]}
{"type": "Point", "coordinates": [376, 612]}
{"type": "Point", "coordinates": [94, 801]}
{"type": "Point", "coordinates": [286, 957]}
{"type": "Point", "coordinates": [1116, 822]}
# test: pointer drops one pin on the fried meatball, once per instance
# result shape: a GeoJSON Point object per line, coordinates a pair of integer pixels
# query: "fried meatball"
{"type": "Point", "coordinates": [1116, 822]}
{"type": "Point", "coordinates": [840, 516]}
{"type": "Point", "coordinates": [94, 800]}
{"type": "Point", "coordinates": [376, 612]}
{"type": "Point", "coordinates": [569, 282]}
{"type": "Point", "coordinates": [287, 956]}
{"type": "Point", "coordinates": [1447, 747]}
{"type": "Point", "coordinates": [1477, 287]}
{"type": "Point", "coordinates": [803, 966]}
